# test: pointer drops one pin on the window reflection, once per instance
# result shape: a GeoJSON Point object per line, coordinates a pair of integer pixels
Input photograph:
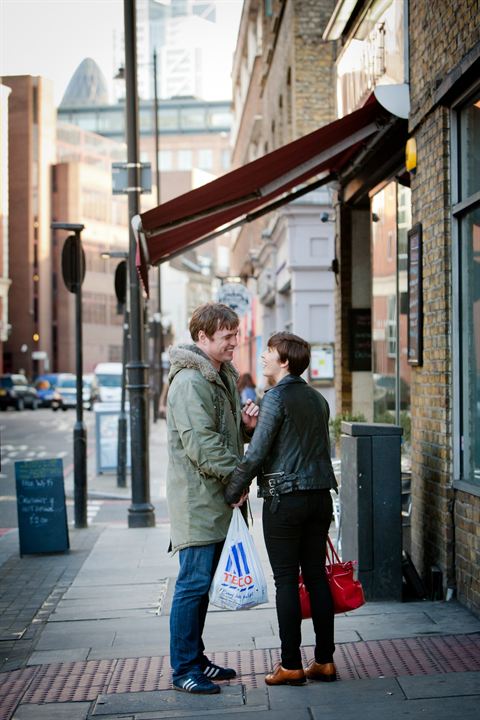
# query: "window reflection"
{"type": "Point", "coordinates": [391, 220]}
{"type": "Point", "coordinates": [471, 339]}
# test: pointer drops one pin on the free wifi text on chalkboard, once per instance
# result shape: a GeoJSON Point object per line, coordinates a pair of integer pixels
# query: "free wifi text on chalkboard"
{"type": "Point", "coordinates": [42, 515]}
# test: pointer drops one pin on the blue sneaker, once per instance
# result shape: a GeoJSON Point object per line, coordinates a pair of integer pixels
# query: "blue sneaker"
{"type": "Point", "coordinates": [195, 683]}
{"type": "Point", "coordinates": [215, 672]}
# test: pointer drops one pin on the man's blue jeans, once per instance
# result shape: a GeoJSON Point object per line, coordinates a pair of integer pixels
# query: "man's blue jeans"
{"type": "Point", "coordinates": [189, 607]}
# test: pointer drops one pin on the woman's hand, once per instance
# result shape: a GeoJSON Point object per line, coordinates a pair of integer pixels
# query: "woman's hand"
{"type": "Point", "coordinates": [250, 414]}
{"type": "Point", "coordinates": [241, 501]}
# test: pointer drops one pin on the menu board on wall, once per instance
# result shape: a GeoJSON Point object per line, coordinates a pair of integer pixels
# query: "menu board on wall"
{"type": "Point", "coordinates": [415, 296]}
{"type": "Point", "coordinates": [360, 339]}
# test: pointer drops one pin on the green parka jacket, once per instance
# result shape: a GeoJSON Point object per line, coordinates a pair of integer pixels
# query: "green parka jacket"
{"type": "Point", "coordinates": [205, 443]}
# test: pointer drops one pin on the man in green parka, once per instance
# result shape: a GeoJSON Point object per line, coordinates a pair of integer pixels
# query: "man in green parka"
{"type": "Point", "coordinates": [207, 429]}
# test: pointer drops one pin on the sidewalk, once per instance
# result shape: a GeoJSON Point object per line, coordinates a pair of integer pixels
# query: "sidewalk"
{"type": "Point", "coordinates": [85, 635]}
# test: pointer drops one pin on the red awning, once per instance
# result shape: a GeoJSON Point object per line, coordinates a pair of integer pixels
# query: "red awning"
{"type": "Point", "coordinates": [179, 223]}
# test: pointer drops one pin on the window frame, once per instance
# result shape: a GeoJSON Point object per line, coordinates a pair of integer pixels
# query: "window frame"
{"type": "Point", "coordinates": [460, 207]}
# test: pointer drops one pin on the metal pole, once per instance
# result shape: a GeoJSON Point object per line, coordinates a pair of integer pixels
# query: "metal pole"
{"type": "Point", "coordinates": [79, 430]}
{"type": "Point", "coordinates": [158, 336]}
{"type": "Point", "coordinates": [122, 418]}
{"type": "Point", "coordinates": [141, 511]}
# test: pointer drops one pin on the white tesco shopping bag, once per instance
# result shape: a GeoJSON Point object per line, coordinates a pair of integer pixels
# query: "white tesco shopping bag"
{"type": "Point", "coordinates": [239, 581]}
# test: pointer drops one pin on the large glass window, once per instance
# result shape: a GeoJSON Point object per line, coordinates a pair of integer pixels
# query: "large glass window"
{"type": "Point", "coordinates": [184, 160]}
{"type": "Point", "coordinates": [466, 296]}
{"type": "Point", "coordinates": [391, 220]}
{"type": "Point", "coordinates": [470, 143]}
{"type": "Point", "coordinates": [470, 235]}
{"type": "Point", "coordinates": [205, 159]}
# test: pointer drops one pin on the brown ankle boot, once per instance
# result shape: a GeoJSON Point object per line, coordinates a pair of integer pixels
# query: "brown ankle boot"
{"type": "Point", "coordinates": [325, 672]}
{"type": "Point", "coordinates": [282, 676]}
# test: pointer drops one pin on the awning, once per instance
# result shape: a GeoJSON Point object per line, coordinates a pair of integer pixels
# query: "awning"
{"type": "Point", "coordinates": [183, 222]}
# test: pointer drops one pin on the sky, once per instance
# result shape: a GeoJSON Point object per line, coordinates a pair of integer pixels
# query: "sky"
{"type": "Point", "coordinates": [51, 37]}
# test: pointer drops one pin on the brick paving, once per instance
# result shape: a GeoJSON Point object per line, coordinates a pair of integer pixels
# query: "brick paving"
{"type": "Point", "coordinates": [31, 588]}
{"type": "Point", "coordinates": [84, 681]}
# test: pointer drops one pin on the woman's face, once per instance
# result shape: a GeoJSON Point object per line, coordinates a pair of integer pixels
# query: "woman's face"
{"type": "Point", "coordinates": [273, 368]}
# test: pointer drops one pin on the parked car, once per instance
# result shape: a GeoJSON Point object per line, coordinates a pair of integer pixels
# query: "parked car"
{"type": "Point", "coordinates": [16, 392]}
{"type": "Point", "coordinates": [45, 387]}
{"type": "Point", "coordinates": [65, 395]}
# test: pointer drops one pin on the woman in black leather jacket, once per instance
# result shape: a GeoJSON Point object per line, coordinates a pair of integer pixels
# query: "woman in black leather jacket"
{"type": "Point", "coordinates": [290, 456]}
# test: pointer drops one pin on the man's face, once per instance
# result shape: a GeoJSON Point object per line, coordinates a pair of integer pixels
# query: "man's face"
{"type": "Point", "coordinates": [220, 346]}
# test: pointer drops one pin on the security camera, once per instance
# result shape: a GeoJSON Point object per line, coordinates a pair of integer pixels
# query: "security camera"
{"type": "Point", "coordinates": [324, 217]}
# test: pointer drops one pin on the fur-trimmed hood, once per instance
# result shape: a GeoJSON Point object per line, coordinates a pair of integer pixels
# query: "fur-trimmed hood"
{"type": "Point", "coordinates": [190, 356]}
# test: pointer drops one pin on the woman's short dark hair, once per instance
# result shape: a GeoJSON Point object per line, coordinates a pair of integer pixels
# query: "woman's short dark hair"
{"type": "Point", "coordinates": [292, 348]}
{"type": "Point", "coordinates": [212, 317]}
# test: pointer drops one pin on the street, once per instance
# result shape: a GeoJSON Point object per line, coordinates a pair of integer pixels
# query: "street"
{"type": "Point", "coordinates": [44, 434]}
{"type": "Point", "coordinates": [31, 435]}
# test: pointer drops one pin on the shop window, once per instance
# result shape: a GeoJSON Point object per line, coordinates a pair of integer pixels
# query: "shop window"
{"type": "Point", "coordinates": [391, 220]}
{"type": "Point", "coordinates": [466, 296]}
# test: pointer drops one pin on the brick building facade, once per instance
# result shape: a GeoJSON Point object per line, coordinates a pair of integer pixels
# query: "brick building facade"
{"type": "Point", "coordinates": [421, 63]}
{"type": "Point", "coordinates": [283, 89]}
{"type": "Point", "coordinates": [444, 44]}
{"type": "Point", "coordinates": [378, 204]}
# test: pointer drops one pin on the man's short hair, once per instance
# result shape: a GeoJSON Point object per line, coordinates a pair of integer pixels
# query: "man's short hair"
{"type": "Point", "coordinates": [212, 317]}
{"type": "Point", "coordinates": [292, 348]}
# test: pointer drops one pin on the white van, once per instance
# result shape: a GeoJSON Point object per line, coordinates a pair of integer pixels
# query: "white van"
{"type": "Point", "coordinates": [109, 381]}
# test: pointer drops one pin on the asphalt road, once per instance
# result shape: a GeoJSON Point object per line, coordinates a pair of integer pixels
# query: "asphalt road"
{"type": "Point", "coordinates": [32, 435]}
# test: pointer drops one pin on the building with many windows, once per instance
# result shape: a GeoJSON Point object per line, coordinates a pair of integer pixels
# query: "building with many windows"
{"type": "Point", "coordinates": [282, 90]}
{"type": "Point", "coordinates": [31, 154]}
{"type": "Point", "coordinates": [4, 269]}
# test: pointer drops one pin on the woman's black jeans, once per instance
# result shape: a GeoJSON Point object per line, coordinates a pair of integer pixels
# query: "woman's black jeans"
{"type": "Point", "coordinates": [295, 536]}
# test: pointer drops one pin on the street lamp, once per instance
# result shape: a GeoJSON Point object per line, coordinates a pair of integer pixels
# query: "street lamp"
{"type": "Point", "coordinates": [73, 269]}
{"type": "Point", "coordinates": [141, 511]}
{"type": "Point", "coordinates": [121, 292]}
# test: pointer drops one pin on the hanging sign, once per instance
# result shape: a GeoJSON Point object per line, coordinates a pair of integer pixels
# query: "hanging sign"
{"type": "Point", "coordinates": [236, 296]}
{"type": "Point", "coordinates": [415, 296]}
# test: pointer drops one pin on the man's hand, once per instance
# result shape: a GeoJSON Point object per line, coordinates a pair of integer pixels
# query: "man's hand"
{"type": "Point", "coordinates": [250, 414]}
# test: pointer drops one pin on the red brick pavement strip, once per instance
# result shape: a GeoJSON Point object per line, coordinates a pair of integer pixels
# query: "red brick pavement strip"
{"type": "Point", "coordinates": [12, 687]}
{"type": "Point", "coordinates": [84, 681]}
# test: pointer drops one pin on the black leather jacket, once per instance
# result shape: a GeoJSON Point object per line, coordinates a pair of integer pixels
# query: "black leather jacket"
{"type": "Point", "coordinates": [290, 448]}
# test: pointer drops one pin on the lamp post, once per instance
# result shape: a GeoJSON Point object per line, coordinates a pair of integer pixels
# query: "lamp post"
{"type": "Point", "coordinates": [158, 337]}
{"type": "Point", "coordinates": [73, 269]}
{"type": "Point", "coordinates": [141, 511]}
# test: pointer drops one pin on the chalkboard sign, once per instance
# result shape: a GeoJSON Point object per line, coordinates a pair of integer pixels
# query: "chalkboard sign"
{"type": "Point", "coordinates": [42, 515]}
{"type": "Point", "coordinates": [360, 339]}
{"type": "Point", "coordinates": [415, 296]}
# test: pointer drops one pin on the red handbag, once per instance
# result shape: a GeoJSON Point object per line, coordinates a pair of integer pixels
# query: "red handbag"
{"type": "Point", "coordinates": [347, 592]}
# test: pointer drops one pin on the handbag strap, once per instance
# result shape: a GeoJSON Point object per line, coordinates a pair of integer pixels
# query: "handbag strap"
{"type": "Point", "coordinates": [331, 554]}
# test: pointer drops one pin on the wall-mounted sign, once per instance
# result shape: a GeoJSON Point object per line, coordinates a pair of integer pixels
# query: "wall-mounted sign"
{"type": "Point", "coordinates": [360, 339]}
{"type": "Point", "coordinates": [236, 296]}
{"type": "Point", "coordinates": [321, 363]}
{"type": "Point", "coordinates": [415, 296]}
